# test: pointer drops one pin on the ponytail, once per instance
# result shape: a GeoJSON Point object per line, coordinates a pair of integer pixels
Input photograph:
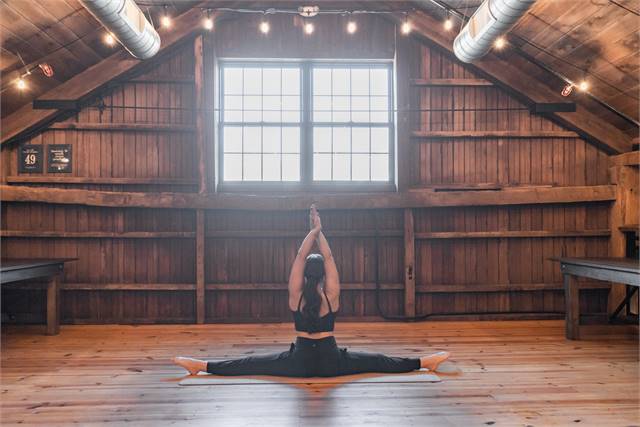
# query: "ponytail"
{"type": "Point", "coordinates": [313, 274]}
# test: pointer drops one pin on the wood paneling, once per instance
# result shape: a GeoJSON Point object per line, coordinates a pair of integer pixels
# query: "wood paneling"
{"type": "Point", "coordinates": [489, 209]}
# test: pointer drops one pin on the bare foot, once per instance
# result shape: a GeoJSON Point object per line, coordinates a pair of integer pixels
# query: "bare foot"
{"type": "Point", "coordinates": [432, 361]}
{"type": "Point", "coordinates": [192, 365]}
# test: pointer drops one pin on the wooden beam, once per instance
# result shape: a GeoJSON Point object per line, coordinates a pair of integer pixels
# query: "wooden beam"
{"type": "Point", "coordinates": [516, 134]}
{"type": "Point", "coordinates": [409, 265]}
{"type": "Point", "coordinates": [509, 234]}
{"type": "Point", "coordinates": [128, 286]}
{"type": "Point", "coordinates": [86, 84]}
{"type": "Point", "coordinates": [97, 234]}
{"type": "Point", "coordinates": [87, 180]}
{"type": "Point", "coordinates": [200, 113]}
{"type": "Point", "coordinates": [512, 74]}
{"type": "Point", "coordinates": [410, 199]}
{"type": "Point", "coordinates": [200, 271]}
{"type": "Point", "coordinates": [502, 287]}
{"type": "Point", "coordinates": [283, 286]}
{"type": "Point", "coordinates": [450, 82]}
{"type": "Point", "coordinates": [632, 158]}
{"type": "Point", "coordinates": [124, 127]}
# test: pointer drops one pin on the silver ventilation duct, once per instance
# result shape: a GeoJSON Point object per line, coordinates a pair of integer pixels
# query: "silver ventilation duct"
{"type": "Point", "coordinates": [490, 20]}
{"type": "Point", "coordinates": [127, 23]}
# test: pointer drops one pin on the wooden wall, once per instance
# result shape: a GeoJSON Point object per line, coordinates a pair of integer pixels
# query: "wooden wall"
{"type": "Point", "coordinates": [138, 265]}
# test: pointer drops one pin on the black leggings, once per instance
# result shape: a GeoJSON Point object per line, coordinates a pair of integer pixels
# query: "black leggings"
{"type": "Point", "coordinates": [314, 358]}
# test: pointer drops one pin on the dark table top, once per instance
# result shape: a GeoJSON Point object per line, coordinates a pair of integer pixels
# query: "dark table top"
{"type": "Point", "coordinates": [630, 265]}
{"type": "Point", "coordinates": [9, 264]}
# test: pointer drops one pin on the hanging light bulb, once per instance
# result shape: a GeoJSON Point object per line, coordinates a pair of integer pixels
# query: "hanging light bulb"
{"type": "Point", "coordinates": [207, 22]}
{"type": "Point", "coordinates": [583, 86]}
{"type": "Point", "coordinates": [265, 27]}
{"type": "Point", "coordinates": [352, 27]}
{"type": "Point", "coordinates": [21, 83]}
{"type": "Point", "coordinates": [109, 39]}
{"type": "Point", "coordinates": [448, 23]}
{"type": "Point", "coordinates": [309, 28]}
{"type": "Point", "coordinates": [165, 20]}
{"type": "Point", "coordinates": [405, 28]}
{"type": "Point", "coordinates": [500, 43]}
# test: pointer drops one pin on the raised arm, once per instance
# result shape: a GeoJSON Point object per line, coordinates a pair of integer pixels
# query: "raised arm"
{"type": "Point", "coordinates": [331, 279]}
{"type": "Point", "coordinates": [296, 277]}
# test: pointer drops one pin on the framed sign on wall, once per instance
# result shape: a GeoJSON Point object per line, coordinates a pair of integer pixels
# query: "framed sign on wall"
{"type": "Point", "coordinates": [59, 158]}
{"type": "Point", "coordinates": [30, 159]}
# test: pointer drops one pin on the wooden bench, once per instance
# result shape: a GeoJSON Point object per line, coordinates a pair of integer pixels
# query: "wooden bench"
{"type": "Point", "coordinates": [16, 270]}
{"type": "Point", "coordinates": [615, 270]}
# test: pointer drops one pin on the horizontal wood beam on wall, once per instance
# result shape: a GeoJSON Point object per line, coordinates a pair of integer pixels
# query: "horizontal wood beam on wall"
{"type": "Point", "coordinates": [88, 83]}
{"type": "Point", "coordinates": [285, 234]}
{"type": "Point", "coordinates": [99, 234]}
{"type": "Point", "coordinates": [124, 127]}
{"type": "Point", "coordinates": [162, 79]}
{"type": "Point", "coordinates": [282, 287]}
{"type": "Point", "coordinates": [631, 158]}
{"type": "Point", "coordinates": [86, 180]}
{"type": "Point", "coordinates": [424, 136]}
{"type": "Point", "coordinates": [510, 234]}
{"type": "Point", "coordinates": [412, 198]}
{"type": "Point", "coordinates": [502, 287]}
{"type": "Point", "coordinates": [450, 82]}
{"type": "Point", "coordinates": [511, 73]}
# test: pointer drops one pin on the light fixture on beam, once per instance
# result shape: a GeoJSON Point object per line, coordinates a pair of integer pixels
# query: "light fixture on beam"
{"type": "Point", "coordinates": [21, 84]}
{"type": "Point", "coordinates": [352, 27]}
{"type": "Point", "coordinates": [165, 19]}
{"type": "Point", "coordinates": [207, 22]}
{"type": "Point", "coordinates": [265, 27]}
{"type": "Point", "coordinates": [109, 39]}
{"type": "Point", "coordinates": [309, 28]}
{"type": "Point", "coordinates": [500, 43]}
{"type": "Point", "coordinates": [405, 28]}
{"type": "Point", "coordinates": [448, 23]}
{"type": "Point", "coordinates": [583, 86]}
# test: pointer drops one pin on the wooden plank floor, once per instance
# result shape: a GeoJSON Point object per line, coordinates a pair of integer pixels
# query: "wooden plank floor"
{"type": "Point", "coordinates": [515, 373]}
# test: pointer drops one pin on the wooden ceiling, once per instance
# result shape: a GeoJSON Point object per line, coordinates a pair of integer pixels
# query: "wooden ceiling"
{"type": "Point", "coordinates": [567, 36]}
{"type": "Point", "coordinates": [596, 40]}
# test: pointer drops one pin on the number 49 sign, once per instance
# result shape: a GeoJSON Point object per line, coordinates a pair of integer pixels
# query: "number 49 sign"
{"type": "Point", "coordinates": [30, 159]}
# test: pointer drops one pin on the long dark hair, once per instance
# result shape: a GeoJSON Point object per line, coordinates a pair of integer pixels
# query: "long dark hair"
{"type": "Point", "coordinates": [313, 274]}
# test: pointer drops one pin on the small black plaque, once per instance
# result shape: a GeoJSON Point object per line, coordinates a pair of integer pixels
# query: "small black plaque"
{"type": "Point", "coordinates": [30, 159]}
{"type": "Point", "coordinates": [59, 158]}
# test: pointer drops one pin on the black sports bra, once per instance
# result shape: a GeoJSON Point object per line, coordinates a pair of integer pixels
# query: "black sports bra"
{"type": "Point", "coordinates": [322, 324]}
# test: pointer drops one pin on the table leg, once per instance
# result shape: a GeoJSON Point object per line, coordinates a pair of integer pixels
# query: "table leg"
{"type": "Point", "coordinates": [572, 307]}
{"type": "Point", "coordinates": [53, 305]}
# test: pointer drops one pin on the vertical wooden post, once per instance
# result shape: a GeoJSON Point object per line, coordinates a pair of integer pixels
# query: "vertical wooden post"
{"type": "Point", "coordinates": [53, 305]}
{"type": "Point", "coordinates": [572, 307]}
{"type": "Point", "coordinates": [201, 152]}
{"type": "Point", "coordinates": [624, 211]}
{"type": "Point", "coordinates": [409, 262]}
{"type": "Point", "coordinates": [405, 57]}
{"type": "Point", "coordinates": [200, 276]}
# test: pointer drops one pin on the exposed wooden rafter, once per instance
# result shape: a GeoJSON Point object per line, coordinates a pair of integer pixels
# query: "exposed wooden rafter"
{"type": "Point", "coordinates": [86, 84]}
{"type": "Point", "coordinates": [512, 75]}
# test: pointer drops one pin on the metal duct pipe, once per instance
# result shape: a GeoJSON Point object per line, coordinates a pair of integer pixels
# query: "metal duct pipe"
{"type": "Point", "coordinates": [127, 23]}
{"type": "Point", "coordinates": [489, 21]}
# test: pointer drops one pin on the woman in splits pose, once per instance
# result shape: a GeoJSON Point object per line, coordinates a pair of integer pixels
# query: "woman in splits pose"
{"type": "Point", "coordinates": [314, 299]}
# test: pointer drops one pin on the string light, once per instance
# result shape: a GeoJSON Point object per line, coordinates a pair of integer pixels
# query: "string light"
{"type": "Point", "coordinates": [583, 86]}
{"type": "Point", "coordinates": [165, 20]}
{"type": "Point", "coordinates": [207, 22]}
{"type": "Point", "coordinates": [264, 27]}
{"type": "Point", "coordinates": [352, 27]}
{"type": "Point", "coordinates": [21, 84]}
{"type": "Point", "coordinates": [448, 23]}
{"type": "Point", "coordinates": [109, 39]}
{"type": "Point", "coordinates": [405, 28]}
{"type": "Point", "coordinates": [500, 43]}
{"type": "Point", "coordinates": [309, 28]}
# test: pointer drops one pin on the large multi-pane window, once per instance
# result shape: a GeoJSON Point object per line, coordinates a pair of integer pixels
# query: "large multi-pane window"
{"type": "Point", "coordinates": [308, 122]}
